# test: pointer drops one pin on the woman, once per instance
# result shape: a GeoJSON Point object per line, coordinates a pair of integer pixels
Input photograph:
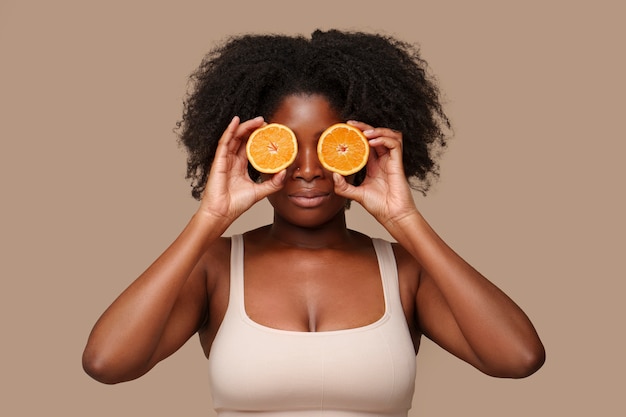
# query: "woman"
{"type": "Point", "coordinates": [304, 315]}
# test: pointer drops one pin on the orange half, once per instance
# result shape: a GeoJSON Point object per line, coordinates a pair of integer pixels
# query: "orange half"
{"type": "Point", "coordinates": [343, 149]}
{"type": "Point", "coordinates": [271, 148]}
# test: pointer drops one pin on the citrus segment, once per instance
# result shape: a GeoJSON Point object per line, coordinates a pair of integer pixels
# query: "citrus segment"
{"type": "Point", "coordinates": [271, 148]}
{"type": "Point", "coordinates": [343, 149]}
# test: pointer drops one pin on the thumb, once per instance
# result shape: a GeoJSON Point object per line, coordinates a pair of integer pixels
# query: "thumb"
{"type": "Point", "coordinates": [345, 189]}
{"type": "Point", "coordinates": [272, 185]}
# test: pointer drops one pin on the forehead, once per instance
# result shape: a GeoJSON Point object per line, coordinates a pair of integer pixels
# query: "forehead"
{"type": "Point", "coordinates": [301, 110]}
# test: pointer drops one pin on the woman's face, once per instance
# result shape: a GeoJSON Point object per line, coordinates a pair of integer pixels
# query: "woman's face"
{"type": "Point", "coordinates": [307, 199]}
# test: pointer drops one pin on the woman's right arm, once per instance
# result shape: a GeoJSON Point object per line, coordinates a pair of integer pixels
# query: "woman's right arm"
{"type": "Point", "coordinates": [156, 314]}
{"type": "Point", "coordinates": [167, 304]}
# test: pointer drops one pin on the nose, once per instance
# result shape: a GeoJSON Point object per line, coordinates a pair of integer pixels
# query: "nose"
{"type": "Point", "coordinates": [307, 165]}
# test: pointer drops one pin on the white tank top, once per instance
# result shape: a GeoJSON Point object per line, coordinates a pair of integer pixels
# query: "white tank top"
{"type": "Point", "coordinates": [262, 371]}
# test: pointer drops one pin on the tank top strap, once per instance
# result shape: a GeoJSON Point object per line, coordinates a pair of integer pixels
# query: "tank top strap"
{"type": "Point", "coordinates": [384, 253]}
{"type": "Point", "coordinates": [236, 271]}
{"type": "Point", "coordinates": [389, 273]}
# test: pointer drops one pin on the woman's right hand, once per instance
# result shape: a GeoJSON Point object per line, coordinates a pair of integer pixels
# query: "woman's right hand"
{"type": "Point", "coordinates": [229, 191]}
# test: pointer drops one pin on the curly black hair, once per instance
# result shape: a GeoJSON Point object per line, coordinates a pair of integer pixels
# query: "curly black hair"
{"type": "Point", "coordinates": [373, 78]}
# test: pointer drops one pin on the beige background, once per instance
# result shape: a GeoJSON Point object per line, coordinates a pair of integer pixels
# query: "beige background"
{"type": "Point", "coordinates": [93, 186]}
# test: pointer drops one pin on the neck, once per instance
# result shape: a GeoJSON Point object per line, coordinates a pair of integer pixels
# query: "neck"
{"type": "Point", "coordinates": [332, 234]}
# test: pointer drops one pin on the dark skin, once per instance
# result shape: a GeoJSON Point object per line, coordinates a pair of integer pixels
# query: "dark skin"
{"type": "Point", "coordinates": [328, 277]}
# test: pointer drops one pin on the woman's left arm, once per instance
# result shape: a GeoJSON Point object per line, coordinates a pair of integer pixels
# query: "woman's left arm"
{"type": "Point", "coordinates": [457, 307]}
{"type": "Point", "coordinates": [462, 311]}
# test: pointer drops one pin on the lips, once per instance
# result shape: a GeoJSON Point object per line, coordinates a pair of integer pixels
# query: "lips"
{"type": "Point", "coordinates": [308, 198]}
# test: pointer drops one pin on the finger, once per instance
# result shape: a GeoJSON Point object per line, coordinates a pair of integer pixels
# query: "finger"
{"type": "Point", "coordinates": [275, 183]}
{"type": "Point", "coordinates": [229, 145]}
{"type": "Point", "coordinates": [360, 125]}
{"type": "Point", "coordinates": [230, 129]}
{"type": "Point", "coordinates": [225, 142]}
{"type": "Point", "coordinates": [237, 132]}
{"type": "Point", "coordinates": [378, 132]}
{"type": "Point", "coordinates": [246, 128]}
{"type": "Point", "coordinates": [384, 140]}
{"type": "Point", "coordinates": [344, 189]}
{"type": "Point", "coordinates": [373, 134]}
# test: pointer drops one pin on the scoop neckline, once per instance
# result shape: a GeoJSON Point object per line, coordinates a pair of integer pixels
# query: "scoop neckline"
{"type": "Point", "coordinates": [382, 319]}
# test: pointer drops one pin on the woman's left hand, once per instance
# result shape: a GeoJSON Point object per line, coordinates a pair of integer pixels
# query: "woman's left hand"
{"type": "Point", "coordinates": [385, 192]}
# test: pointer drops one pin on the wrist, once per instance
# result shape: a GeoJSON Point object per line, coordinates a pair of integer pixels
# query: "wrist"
{"type": "Point", "coordinates": [404, 224]}
{"type": "Point", "coordinates": [404, 219]}
{"type": "Point", "coordinates": [208, 225]}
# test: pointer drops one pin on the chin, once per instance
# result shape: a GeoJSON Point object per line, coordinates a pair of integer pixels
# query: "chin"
{"type": "Point", "coordinates": [311, 217]}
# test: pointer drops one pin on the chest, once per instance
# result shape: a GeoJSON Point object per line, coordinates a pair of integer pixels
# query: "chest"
{"type": "Point", "coordinates": [367, 371]}
{"type": "Point", "coordinates": [313, 291]}
{"type": "Point", "coordinates": [300, 342]}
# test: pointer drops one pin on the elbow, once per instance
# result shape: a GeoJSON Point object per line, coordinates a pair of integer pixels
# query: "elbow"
{"type": "Point", "coordinates": [533, 360]}
{"type": "Point", "coordinates": [98, 368]}
{"type": "Point", "coordinates": [104, 368]}
{"type": "Point", "coordinates": [523, 364]}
